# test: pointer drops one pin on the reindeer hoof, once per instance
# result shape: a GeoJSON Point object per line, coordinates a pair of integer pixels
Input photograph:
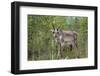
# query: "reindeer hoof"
{"type": "Point", "coordinates": [78, 56]}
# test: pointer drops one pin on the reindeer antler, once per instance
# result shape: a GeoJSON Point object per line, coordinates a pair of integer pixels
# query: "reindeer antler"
{"type": "Point", "coordinates": [58, 27]}
{"type": "Point", "coordinates": [53, 26]}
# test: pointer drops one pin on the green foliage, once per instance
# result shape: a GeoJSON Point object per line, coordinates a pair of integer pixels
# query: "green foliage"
{"type": "Point", "coordinates": [41, 45]}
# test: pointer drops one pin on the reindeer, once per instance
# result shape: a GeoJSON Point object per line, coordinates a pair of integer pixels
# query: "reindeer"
{"type": "Point", "coordinates": [64, 38]}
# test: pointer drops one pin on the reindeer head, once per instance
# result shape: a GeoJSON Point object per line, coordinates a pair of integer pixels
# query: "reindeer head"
{"type": "Point", "coordinates": [55, 31]}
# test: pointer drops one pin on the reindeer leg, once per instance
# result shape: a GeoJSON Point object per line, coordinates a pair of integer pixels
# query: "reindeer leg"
{"type": "Point", "coordinates": [70, 47]}
{"type": "Point", "coordinates": [77, 52]}
{"type": "Point", "coordinates": [61, 52]}
{"type": "Point", "coordinates": [58, 53]}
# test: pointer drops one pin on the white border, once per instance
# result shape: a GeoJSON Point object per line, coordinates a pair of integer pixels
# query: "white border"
{"type": "Point", "coordinates": [26, 65]}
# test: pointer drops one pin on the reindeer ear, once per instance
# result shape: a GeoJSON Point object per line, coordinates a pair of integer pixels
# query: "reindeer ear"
{"type": "Point", "coordinates": [60, 30]}
{"type": "Point", "coordinates": [57, 29]}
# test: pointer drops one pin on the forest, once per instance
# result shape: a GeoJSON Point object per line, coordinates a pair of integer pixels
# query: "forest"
{"type": "Point", "coordinates": [41, 44]}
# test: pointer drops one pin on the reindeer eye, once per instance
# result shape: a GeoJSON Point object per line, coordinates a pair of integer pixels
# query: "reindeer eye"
{"type": "Point", "coordinates": [53, 32]}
